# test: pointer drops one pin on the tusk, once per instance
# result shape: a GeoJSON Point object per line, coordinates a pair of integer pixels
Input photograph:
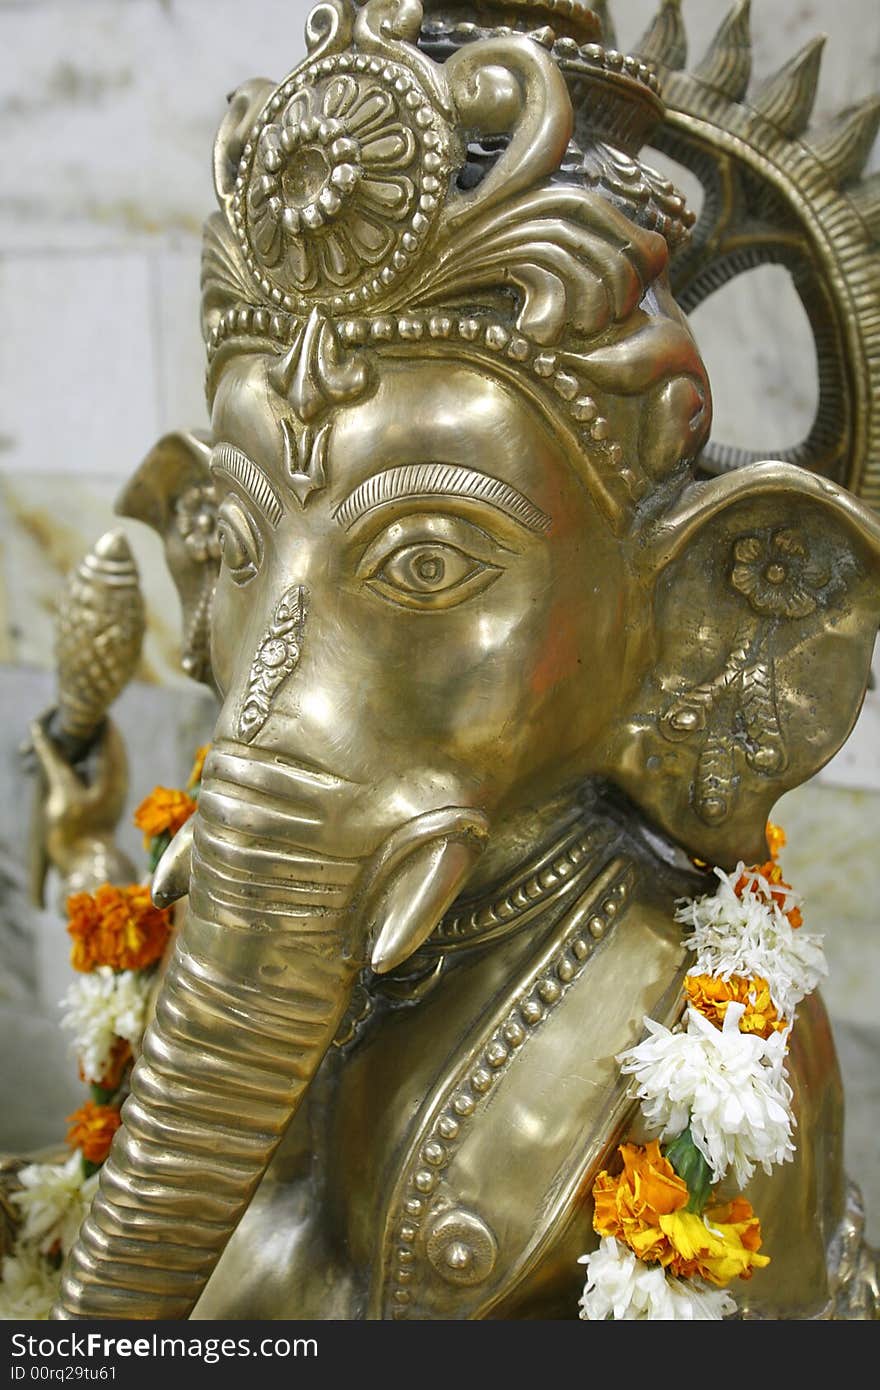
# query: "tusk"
{"type": "Point", "coordinates": [422, 893]}
{"type": "Point", "coordinates": [171, 875]}
{"type": "Point", "coordinates": [419, 888]}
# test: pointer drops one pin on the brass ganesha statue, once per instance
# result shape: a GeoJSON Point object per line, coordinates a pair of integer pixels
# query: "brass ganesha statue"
{"type": "Point", "coordinates": [501, 672]}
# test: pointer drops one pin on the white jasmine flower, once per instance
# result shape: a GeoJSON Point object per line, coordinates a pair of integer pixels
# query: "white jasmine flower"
{"type": "Point", "coordinates": [28, 1286]}
{"type": "Point", "coordinates": [751, 935]}
{"type": "Point", "coordinates": [53, 1201]}
{"type": "Point", "coordinates": [101, 1006]}
{"type": "Point", "coordinates": [622, 1287]}
{"type": "Point", "coordinates": [730, 1087]}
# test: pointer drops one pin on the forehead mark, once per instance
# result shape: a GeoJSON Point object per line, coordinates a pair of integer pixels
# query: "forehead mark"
{"type": "Point", "coordinates": [415, 480]}
{"type": "Point", "coordinates": [225, 458]}
{"type": "Point", "coordinates": [305, 453]}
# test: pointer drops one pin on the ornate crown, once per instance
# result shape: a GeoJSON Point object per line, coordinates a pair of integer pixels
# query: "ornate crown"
{"type": "Point", "coordinates": [381, 197]}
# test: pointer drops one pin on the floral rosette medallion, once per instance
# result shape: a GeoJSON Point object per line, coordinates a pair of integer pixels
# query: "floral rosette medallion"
{"type": "Point", "coordinates": [341, 180]}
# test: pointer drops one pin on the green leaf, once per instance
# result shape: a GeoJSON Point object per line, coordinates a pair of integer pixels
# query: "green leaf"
{"type": "Point", "coordinates": [692, 1168]}
{"type": "Point", "coordinates": [158, 846]}
{"type": "Point", "coordinates": [100, 1095]}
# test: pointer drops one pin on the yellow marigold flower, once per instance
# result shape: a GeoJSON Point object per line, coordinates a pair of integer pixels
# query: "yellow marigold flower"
{"type": "Point", "coordinates": [118, 926]}
{"type": "Point", "coordinates": [195, 775]}
{"type": "Point", "coordinates": [719, 1246]}
{"type": "Point", "coordinates": [776, 840]}
{"type": "Point", "coordinates": [711, 996]}
{"type": "Point", "coordinates": [163, 812]}
{"type": "Point", "coordinates": [630, 1205]}
{"type": "Point", "coordinates": [91, 1130]}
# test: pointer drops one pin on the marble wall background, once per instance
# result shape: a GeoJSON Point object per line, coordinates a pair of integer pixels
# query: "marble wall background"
{"type": "Point", "coordinates": [107, 111]}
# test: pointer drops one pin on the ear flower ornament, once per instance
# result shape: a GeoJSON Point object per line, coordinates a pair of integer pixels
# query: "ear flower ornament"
{"type": "Point", "coordinates": [195, 515]}
{"type": "Point", "coordinates": [715, 1093]}
{"type": "Point", "coordinates": [777, 574]}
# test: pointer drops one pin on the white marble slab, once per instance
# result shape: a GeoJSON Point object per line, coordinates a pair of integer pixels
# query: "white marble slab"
{"type": "Point", "coordinates": [112, 110]}
{"type": "Point", "coordinates": [180, 350]}
{"type": "Point", "coordinates": [78, 388]}
{"type": "Point", "coordinates": [833, 859]}
{"type": "Point", "coordinates": [857, 765]}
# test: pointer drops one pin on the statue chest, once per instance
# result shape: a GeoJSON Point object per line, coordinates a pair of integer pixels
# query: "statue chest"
{"type": "Point", "coordinates": [462, 1132]}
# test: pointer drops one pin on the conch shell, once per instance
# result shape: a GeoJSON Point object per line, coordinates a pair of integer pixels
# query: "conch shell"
{"type": "Point", "coordinates": [99, 634]}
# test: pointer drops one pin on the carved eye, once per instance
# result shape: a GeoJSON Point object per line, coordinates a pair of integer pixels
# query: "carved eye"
{"type": "Point", "coordinates": [431, 575]}
{"type": "Point", "coordinates": [240, 542]}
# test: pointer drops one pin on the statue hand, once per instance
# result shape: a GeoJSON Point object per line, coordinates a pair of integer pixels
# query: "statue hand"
{"type": "Point", "coordinates": [78, 805]}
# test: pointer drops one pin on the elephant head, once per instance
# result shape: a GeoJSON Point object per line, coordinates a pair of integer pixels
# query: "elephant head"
{"type": "Point", "coordinates": [466, 572]}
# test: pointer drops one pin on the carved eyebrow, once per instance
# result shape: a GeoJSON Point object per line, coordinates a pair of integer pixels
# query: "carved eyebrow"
{"type": "Point", "coordinates": [439, 480]}
{"type": "Point", "coordinates": [225, 458]}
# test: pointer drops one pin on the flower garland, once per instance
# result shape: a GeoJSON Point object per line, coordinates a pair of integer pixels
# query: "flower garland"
{"type": "Point", "coordinates": [118, 941]}
{"type": "Point", "coordinates": [716, 1093]}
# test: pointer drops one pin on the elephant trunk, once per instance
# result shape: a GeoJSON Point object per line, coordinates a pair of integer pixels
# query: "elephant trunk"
{"type": "Point", "coordinates": [224, 1066]}
{"type": "Point", "coordinates": [260, 978]}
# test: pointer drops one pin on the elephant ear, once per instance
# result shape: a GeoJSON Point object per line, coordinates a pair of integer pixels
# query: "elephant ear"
{"type": "Point", "coordinates": [766, 597]}
{"type": "Point", "coordinates": [172, 492]}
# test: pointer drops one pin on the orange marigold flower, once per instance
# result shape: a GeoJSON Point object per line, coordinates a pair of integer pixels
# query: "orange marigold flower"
{"type": "Point", "coordinates": [91, 1130]}
{"type": "Point", "coordinates": [163, 812]}
{"type": "Point", "coordinates": [644, 1207]}
{"type": "Point", "coordinates": [195, 775]}
{"type": "Point", "coordinates": [771, 872]}
{"type": "Point", "coordinates": [120, 1057]}
{"type": "Point", "coordinates": [711, 996]}
{"type": "Point", "coordinates": [776, 840]}
{"type": "Point", "coordinates": [118, 926]}
{"type": "Point", "coordinates": [83, 923]}
{"type": "Point", "coordinates": [630, 1205]}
